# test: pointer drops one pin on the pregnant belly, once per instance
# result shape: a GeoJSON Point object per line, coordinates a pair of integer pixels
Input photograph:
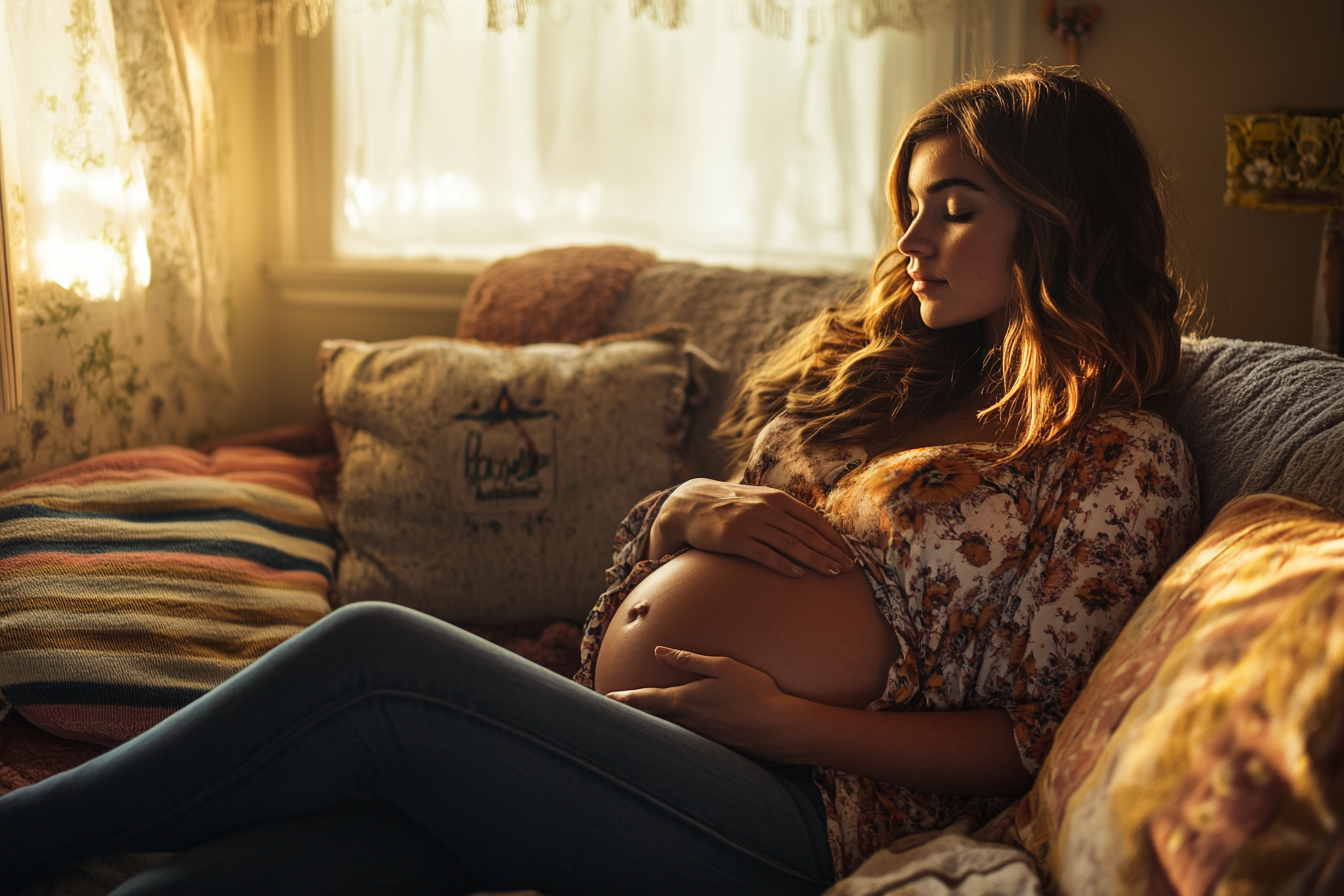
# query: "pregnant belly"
{"type": "Point", "coordinates": [819, 637]}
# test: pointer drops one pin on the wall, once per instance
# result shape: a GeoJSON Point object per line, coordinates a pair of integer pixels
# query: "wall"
{"type": "Point", "coordinates": [1177, 66]}
{"type": "Point", "coordinates": [275, 344]}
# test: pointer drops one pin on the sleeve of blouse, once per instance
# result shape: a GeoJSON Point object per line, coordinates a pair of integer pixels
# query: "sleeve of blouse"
{"type": "Point", "coordinates": [1122, 508]}
{"type": "Point", "coordinates": [626, 571]}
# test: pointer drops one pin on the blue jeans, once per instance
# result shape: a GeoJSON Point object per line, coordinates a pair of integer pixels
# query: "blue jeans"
{"type": "Point", "coordinates": [383, 751]}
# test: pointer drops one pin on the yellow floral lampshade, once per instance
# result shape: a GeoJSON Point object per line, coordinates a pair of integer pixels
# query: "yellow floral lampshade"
{"type": "Point", "coordinates": [1286, 161]}
{"type": "Point", "coordinates": [1294, 161]}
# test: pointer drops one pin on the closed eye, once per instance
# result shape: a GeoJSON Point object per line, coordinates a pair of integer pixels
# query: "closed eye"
{"type": "Point", "coordinates": [958, 219]}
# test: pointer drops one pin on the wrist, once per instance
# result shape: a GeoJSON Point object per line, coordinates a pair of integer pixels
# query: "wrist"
{"type": "Point", "coordinates": [800, 734]}
{"type": "Point", "coordinates": [664, 538]}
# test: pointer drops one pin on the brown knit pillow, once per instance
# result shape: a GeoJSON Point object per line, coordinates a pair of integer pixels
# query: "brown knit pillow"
{"type": "Point", "coordinates": [552, 295]}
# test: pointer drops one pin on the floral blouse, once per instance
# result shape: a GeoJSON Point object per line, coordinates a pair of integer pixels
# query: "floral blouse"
{"type": "Point", "coordinates": [1004, 584]}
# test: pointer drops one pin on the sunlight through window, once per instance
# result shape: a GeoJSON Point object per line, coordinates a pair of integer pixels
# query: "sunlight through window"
{"type": "Point", "coordinates": [79, 192]}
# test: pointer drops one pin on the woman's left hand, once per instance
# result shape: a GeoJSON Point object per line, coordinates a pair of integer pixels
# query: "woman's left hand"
{"type": "Point", "coordinates": [734, 704]}
{"type": "Point", "coordinates": [970, 752]}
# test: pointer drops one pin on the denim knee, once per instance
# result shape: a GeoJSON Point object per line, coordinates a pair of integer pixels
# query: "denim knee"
{"type": "Point", "coordinates": [369, 621]}
{"type": "Point", "coordinates": [368, 630]}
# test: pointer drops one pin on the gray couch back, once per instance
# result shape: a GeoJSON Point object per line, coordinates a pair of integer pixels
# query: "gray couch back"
{"type": "Point", "coordinates": [733, 316]}
{"type": "Point", "coordinates": [1261, 417]}
{"type": "Point", "coordinates": [1257, 416]}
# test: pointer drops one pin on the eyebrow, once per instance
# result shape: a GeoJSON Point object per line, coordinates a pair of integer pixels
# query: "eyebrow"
{"type": "Point", "coordinates": [948, 182]}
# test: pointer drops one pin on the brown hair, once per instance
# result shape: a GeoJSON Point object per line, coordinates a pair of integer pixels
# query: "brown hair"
{"type": "Point", "coordinates": [1095, 318]}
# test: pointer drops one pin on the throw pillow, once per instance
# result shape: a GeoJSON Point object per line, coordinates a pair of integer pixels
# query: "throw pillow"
{"type": "Point", "coordinates": [551, 295]}
{"type": "Point", "coordinates": [132, 583]}
{"type": "Point", "coordinates": [483, 484]}
{"type": "Point", "coordinates": [1204, 755]}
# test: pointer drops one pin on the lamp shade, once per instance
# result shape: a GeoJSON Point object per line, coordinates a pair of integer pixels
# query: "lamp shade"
{"type": "Point", "coordinates": [1291, 160]}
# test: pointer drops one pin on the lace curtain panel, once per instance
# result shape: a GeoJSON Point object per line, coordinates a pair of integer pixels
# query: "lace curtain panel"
{"type": "Point", "coordinates": [113, 203]}
{"type": "Point", "coordinates": [736, 138]}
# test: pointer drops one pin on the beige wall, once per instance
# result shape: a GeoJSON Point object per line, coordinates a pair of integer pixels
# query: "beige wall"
{"type": "Point", "coordinates": [1177, 65]}
{"type": "Point", "coordinates": [275, 344]}
{"type": "Point", "coordinates": [251, 181]}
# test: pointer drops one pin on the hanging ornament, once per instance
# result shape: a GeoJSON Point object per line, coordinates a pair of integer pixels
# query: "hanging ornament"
{"type": "Point", "coordinates": [1071, 26]}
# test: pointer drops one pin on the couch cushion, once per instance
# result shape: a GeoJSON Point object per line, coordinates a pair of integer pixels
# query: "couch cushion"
{"type": "Point", "coordinates": [1205, 752]}
{"type": "Point", "coordinates": [734, 315]}
{"type": "Point", "coordinates": [484, 484]}
{"type": "Point", "coordinates": [134, 582]}
{"type": "Point", "coordinates": [1261, 417]}
{"type": "Point", "coordinates": [551, 295]}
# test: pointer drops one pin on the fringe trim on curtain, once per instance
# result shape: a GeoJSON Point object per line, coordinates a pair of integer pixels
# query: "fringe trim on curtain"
{"type": "Point", "coordinates": [243, 24]}
{"type": "Point", "coordinates": [774, 18]}
{"type": "Point", "coordinates": [664, 13]}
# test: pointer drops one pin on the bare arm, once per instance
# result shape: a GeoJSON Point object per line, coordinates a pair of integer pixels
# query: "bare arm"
{"type": "Point", "coordinates": [965, 752]}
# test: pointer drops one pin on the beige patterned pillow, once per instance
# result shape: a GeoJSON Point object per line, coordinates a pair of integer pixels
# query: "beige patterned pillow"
{"type": "Point", "coordinates": [483, 484]}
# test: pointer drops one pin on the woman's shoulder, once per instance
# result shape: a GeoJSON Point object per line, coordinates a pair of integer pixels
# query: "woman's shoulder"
{"type": "Point", "coordinates": [1137, 421]}
{"type": "Point", "coordinates": [1117, 434]}
{"type": "Point", "coordinates": [1130, 452]}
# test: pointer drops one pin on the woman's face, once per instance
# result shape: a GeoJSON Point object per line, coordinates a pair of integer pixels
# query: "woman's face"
{"type": "Point", "coordinates": [958, 244]}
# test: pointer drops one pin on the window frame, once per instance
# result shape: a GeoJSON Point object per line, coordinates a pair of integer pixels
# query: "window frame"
{"type": "Point", "coordinates": [307, 273]}
{"type": "Point", "coordinates": [11, 369]}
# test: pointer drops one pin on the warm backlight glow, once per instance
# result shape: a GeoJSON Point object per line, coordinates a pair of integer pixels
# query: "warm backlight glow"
{"type": "Point", "coordinates": [78, 205]}
{"type": "Point", "coordinates": [88, 245]}
{"type": "Point", "coordinates": [408, 197]}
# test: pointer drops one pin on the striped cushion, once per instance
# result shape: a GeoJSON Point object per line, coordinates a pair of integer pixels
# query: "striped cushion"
{"type": "Point", "coordinates": [135, 582]}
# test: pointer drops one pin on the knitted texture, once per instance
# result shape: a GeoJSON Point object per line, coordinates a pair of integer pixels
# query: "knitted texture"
{"type": "Point", "coordinates": [553, 295]}
{"type": "Point", "coordinates": [733, 315]}
{"type": "Point", "coordinates": [481, 483]}
{"type": "Point", "coordinates": [1261, 417]}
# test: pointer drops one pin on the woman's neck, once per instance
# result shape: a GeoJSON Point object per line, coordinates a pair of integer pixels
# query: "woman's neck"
{"type": "Point", "coordinates": [959, 424]}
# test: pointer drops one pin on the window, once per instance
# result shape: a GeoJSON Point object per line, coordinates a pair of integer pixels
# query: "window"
{"type": "Point", "coordinates": [77, 209]}
{"type": "Point", "coordinates": [9, 332]}
{"type": "Point", "coordinates": [711, 142]}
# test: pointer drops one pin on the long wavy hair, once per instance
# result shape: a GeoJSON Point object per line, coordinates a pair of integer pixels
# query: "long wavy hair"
{"type": "Point", "coordinates": [1095, 316]}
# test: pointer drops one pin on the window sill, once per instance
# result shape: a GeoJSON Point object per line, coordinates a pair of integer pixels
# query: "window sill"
{"type": "Point", "coordinates": [374, 285]}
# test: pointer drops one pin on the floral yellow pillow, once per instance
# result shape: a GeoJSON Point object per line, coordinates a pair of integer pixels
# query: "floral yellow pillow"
{"type": "Point", "coordinates": [1205, 754]}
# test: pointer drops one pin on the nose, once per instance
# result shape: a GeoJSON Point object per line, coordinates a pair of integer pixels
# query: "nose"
{"type": "Point", "coordinates": [914, 242]}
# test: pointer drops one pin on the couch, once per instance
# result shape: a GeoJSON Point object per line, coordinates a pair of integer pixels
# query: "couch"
{"type": "Point", "coordinates": [1205, 755]}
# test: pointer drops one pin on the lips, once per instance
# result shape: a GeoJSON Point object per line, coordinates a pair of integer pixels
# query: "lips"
{"type": "Point", "coordinates": [923, 282]}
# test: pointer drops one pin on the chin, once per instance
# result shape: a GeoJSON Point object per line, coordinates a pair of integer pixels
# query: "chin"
{"type": "Point", "coordinates": [936, 318]}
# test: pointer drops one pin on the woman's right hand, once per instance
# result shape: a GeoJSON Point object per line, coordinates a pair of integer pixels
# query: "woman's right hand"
{"type": "Point", "coordinates": [763, 524]}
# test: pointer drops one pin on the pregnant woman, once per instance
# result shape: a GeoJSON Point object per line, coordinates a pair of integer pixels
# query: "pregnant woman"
{"type": "Point", "coordinates": [955, 493]}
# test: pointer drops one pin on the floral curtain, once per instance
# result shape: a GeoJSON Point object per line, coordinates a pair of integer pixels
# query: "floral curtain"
{"type": "Point", "coordinates": [113, 197]}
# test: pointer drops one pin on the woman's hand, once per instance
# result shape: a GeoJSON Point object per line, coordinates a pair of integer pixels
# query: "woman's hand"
{"type": "Point", "coordinates": [734, 704]}
{"type": "Point", "coordinates": [763, 524]}
{"type": "Point", "coordinates": [970, 752]}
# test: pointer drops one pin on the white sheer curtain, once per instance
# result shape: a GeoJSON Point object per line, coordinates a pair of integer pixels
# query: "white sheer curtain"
{"type": "Point", "coordinates": [712, 141]}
